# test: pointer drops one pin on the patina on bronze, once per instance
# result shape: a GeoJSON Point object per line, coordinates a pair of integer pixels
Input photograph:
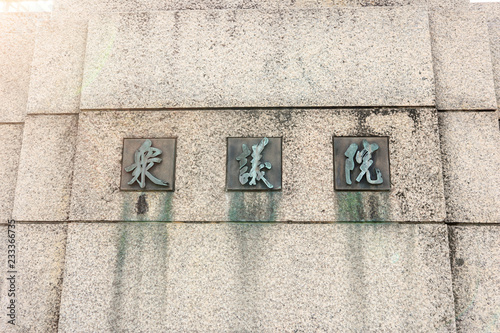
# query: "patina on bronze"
{"type": "Point", "coordinates": [253, 164]}
{"type": "Point", "coordinates": [361, 164]}
{"type": "Point", "coordinates": [148, 164]}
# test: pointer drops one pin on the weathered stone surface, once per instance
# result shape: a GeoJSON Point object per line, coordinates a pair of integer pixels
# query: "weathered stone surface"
{"type": "Point", "coordinates": [476, 279]}
{"type": "Point", "coordinates": [15, 62]}
{"type": "Point", "coordinates": [57, 69]}
{"type": "Point", "coordinates": [462, 61]}
{"type": "Point", "coordinates": [257, 278]}
{"type": "Point", "coordinates": [469, 141]}
{"type": "Point", "coordinates": [494, 30]}
{"type": "Point", "coordinates": [490, 9]}
{"type": "Point", "coordinates": [10, 141]}
{"type": "Point", "coordinates": [21, 22]}
{"type": "Point", "coordinates": [341, 57]}
{"type": "Point", "coordinates": [124, 6]}
{"type": "Point", "coordinates": [307, 191]}
{"type": "Point", "coordinates": [93, 6]}
{"type": "Point", "coordinates": [40, 251]}
{"type": "Point", "coordinates": [46, 168]}
{"type": "Point", "coordinates": [17, 39]}
{"type": "Point", "coordinates": [3, 277]}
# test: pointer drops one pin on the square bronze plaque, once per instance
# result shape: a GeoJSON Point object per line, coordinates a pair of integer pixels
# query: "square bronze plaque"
{"type": "Point", "coordinates": [244, 172]}
{"type": "Point", "coordinates": [149, 164]}
{"type": "Point", "coordinates": [361, 164]}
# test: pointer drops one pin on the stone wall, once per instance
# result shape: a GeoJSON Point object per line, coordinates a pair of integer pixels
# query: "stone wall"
{"type": "Point", "coordinates": [423, 256]}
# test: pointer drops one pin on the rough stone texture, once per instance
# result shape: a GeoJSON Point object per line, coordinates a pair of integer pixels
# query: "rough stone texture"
{"type": "Point", "coordinates": [15, 62]}
{"type": "Point", "coordinates": [57, 69]}
{"type": "Point", "coordinates": [3, 249]}
{"type": "Point", "coordinates": [462, 61]}
{"type": "Point", "coordinates": [341, 57]}
{"type": "Point", "coordinates": [308, 193]}
{"type": "Point", "coordinates": [40, 251]}
{"type": "Point", "coordinates": [17, 39]}
{"type": "Point", "coordinates": [93, 6]}
{"type": "Point", "coordinates": [492, 13]}
{"type": "Point", "coordinates": [476, 280]}
{"type": "Point", "coordinates": [494, 30]}
{"type": "Point", "coordinates": [46, 168]}
{"type": "Point", "coordinates": [490, 9]}
{"type": "Point", "coordinates": [231, 277]}
{"type": "Point", "coordinates": [21, 22]}
{"type": "Point", "coordinates": [10, 141]}
{"type": "Point", "coordinates": [469, 141]}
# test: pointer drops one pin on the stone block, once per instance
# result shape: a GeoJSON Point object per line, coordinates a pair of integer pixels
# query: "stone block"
{"type": "Point", "coordinates": [16, 54]}
{"type": "Point", "coordinates": [494, 30]}
{"type": "Point", "coordinates": [17, 38]}
{"type": "Point", "coordinates": [469, 141]}
{"type": "Point", "coordinates": [475, 254]}
{"type": "Point", "coordinates": [40, 251]}
{"type": "Point", "coordinates": [235, 277]}
{"type": "Point", "coordinates": [57, 69]}
{"type": "Point", "coordinates": [46, 168]}
{"type": "Point", "coordinates": [17, 22]}
{"type": "Point", "coordinates": [11, 136]}
{"type": "Point", "coordinates": [462, 60]}
{"type": "Point", "coordinates": [307, 180]}
{"type": "Point", "coordinates": [490, 9]}
{"type": "Point", "coordinates": [88, 7]}
{"type": "Point", "coordinates": [252, 58]}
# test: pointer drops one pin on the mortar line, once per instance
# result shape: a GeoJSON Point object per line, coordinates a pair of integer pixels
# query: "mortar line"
{"type": "Point", "coordinates": [451, 224]}
{"type": "Point", "coordinates": [253, 108]}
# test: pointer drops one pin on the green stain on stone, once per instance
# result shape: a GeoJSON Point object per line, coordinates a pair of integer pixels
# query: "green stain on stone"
{"type": "Point", "coordinates": [253, 206]}
{"type": "Point", "coordinates": [132, 207]}
{"type": "Point", "coordinates": [363, 207]}
{"type": "Point", "coordinates": [166, 208]}
{"type": "Point", "coordinates": [127, 208]}
{"type": "Point", "coordinates": [118, 292]}
{"type": "Point", "coordinates": [350, 206]}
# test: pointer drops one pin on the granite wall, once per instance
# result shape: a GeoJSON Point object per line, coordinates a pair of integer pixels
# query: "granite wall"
{"type": "Point", "coordinates": [90, 257]}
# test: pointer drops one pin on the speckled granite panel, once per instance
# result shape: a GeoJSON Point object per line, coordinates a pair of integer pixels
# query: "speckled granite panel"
{"type": "Point", "coordinates": [19, 22]}
{"type": "Point", "coordinates": [471, 159]}
{"type": "Point", "coordinates": [16, 54]}
{"type": "Point", "coordinates": [11, 136]}
{"type": "Point", "coordinates": [238, 58]}
{"type": "Point", "coordinates": [231, 277]}
{"type": "Point", "coordinates": [46, 168]}
{"type": "Point", "coordinates": [476, 280]}
{"type": "Point", "coordinates": [494, 30]}
{"type": "Point", "coordinates": [40, 252]}
{"type": "Point", "coordinates": [17, 40]}
{"type": "Point", "coordinates": [462, 60]}
{"type": "Point", "coordinates": [57, 69]}
{"type": "Point", "coordinates": [89, 7]}
{"type": "Point", "coordinates": [307, 192]}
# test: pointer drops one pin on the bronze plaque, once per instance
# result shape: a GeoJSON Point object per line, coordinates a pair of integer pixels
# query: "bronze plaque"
{"type": "Point", "coordinates": [148, 165]}
{"type": "Point", "coordinates": [253, 164]}
{"type": "Point", "coordinates": [361, 164]}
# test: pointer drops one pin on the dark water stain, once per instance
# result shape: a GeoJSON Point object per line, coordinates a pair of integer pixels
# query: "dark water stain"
{"type": "Point", "coordinates": [137, 244]}
{"type": "Point", "coordinates": [118, 288]}
{"type": "Point", "coordinates": [249, 242]}
{"type": "Point", "coordinates": [356, 261]}
{"type": "Point", "coordinates": [141, 207]}
{"type": "Point", "coordinates": [137, 209]}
